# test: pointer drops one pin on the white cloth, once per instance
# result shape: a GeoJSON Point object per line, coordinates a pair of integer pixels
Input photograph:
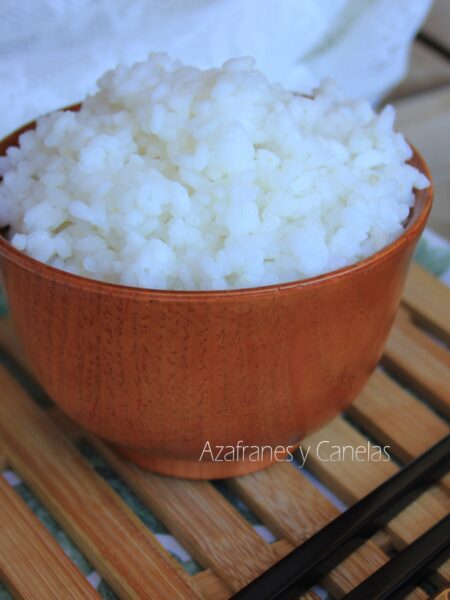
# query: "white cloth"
{"type": "Point", "coordinates": [52, 51]}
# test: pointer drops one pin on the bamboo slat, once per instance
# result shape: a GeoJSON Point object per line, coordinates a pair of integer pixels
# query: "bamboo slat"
{"type": "Point", "coordinates": [301, 508]}
{"type": "Point", "coordinates": [339, 472]}
{"type": "Point", "coordinates": [102, 526]}
{"type": "Point", "coordinates": [395, 418]}
{"type": "Point", "coordinates": [31, 561]}
{"type": "Point", "coordinates": [418, 359]}
{"type": "Point", "coordinates": [353, 479]}
{"type": "Point", "coordinates": [210, 586]}
{"type": "Point", "coordinates": [295, 509]}
{"type": "Point", "coordinates": [416, 428]}
{"type": "Point", "coordinates": [427, 298]}
{"type": "Point", "coordinates": [211, 530]}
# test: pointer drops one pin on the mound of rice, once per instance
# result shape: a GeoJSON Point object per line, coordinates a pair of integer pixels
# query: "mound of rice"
{"type": "Point", "coordinates": [171, 177]}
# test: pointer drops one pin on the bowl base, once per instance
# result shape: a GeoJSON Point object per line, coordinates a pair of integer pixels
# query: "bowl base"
{"type": "Point", "coordinates": [188, 469]}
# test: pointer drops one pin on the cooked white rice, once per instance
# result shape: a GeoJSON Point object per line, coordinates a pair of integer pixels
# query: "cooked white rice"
{"type": "Point", "coordinates": [175, 178]}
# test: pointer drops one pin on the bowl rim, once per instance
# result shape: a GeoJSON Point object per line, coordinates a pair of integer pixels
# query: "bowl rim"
{"type": "Point", "coordinates": [415, 224]}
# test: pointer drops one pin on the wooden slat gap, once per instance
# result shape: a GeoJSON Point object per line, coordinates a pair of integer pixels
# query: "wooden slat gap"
{"type": "Point", "coordinates": [92, 514]}
{"type": "Point", "coordinates": [295, 509]}
{"type": "Point", "coordinates": [31, 561]}
{"type": "Point", "coordinates": [428, 299]}
{"type": "Point", "coordinates": [207, 525]}
{"type": "Point", "coordinates": [351, 481]}
{"type": "Point", "coordinates": [418, 360]}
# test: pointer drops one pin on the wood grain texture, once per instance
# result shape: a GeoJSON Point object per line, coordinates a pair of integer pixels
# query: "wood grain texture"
{"type": "Point", "coordinates": [352, 479]}
{"type": "Point", "coordinates": [207, 525]}
{"type": "Point", "coordinates": [210, 586]}
{"type": "Point", "coordinates": [416, 519]}
{"type": "Point", "coordinates": [395, 418]}
{"type": "Point", "coordinates": [97, 520]}
{"type": "Point", "coordinates": [11, 344]}
{"type": "Point", "coordinates": [301, 508]}
{"type": "Point", "coordinates": [3, 461]}
{"type": "Point", "coordinates": [417, 358]}
{"type": "Point", "coordinates": [429, 301]}
{"type": "Point", "coordinates": [282, 497]}
{"type": "Point", "coordinates": [416, 429]}
{"type": "Point", "coordinates": [287, 502]}
{"type": "Point", "coordinates": [263, 365]}
{"type": "Point", "coordinates": [31, 562]}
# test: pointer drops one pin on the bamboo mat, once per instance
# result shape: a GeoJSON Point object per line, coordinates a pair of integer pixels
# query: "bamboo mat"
{"type": "Point", "coordinates": [42, 447]}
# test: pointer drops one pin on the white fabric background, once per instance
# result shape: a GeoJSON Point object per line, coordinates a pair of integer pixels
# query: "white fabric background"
{"type": "Point", "coordinates": [52, 51]}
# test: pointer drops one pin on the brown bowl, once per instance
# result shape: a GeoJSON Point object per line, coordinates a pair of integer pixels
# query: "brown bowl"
{"type": "Point", "coordinates": [160, 374]}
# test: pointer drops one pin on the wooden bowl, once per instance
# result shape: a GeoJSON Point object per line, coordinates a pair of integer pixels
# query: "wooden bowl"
{"type": "Point", "coordinates": [160, 374]}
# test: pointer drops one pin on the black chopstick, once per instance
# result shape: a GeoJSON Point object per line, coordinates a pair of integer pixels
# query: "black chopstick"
{"type": "Point", "coordinates": [406, 569]}
{"type": "Point", "coordinates": [310, 561]}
